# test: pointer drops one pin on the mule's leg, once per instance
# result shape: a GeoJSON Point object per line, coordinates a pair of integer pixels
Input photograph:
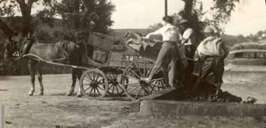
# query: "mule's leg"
{"type": "Point", "coordinates": [39, 72]}
{"type": "Point", "coordinates": [81, 89]}
{"type": "Point", "coordinates": [31, 66]}
{"type": "Point", "coordinates": [72, 88]}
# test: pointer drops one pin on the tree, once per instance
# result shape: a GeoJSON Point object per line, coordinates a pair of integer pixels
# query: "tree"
{"type": "Point", "coordinates": [24, 7]}
{"type": "Point", "coordinates": [221, 11]}
{"type": "Point", "coordinates": [82, 10]}
{"type": "Point", "coordinates": [194, 12]}
{"type": "Point", "coordinates": [80, 14]}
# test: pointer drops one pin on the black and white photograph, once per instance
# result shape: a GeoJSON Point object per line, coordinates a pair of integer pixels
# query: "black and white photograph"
{"type": "Point", "coordinates": [132, 64]}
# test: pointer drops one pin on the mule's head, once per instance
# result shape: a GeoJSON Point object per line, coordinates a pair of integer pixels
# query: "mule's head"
{"type": "Point", "coordinates": [132, 35]}
{"type": "Point", "coordinates": [13, 47]}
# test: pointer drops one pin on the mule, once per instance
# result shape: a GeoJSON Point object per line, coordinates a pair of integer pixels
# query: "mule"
{"type": "Point", "coordinates": [62, 51]}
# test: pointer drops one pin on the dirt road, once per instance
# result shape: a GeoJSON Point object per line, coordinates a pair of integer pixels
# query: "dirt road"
{"type": "Point", "coordinates": [55, 110]}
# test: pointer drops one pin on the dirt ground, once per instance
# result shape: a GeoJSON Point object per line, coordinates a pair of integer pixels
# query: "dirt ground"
{"type": "Point", "coordinates": [55, 110]}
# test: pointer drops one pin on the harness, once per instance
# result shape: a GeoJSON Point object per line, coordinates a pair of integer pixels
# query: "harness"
{"type": "Point", "coordinates": [27, 46]}
{"type": "Point", "coordinates": [10, 49]}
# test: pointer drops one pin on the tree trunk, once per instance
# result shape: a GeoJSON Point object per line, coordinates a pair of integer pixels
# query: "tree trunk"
{"type": "Point", "coordinates": [27, 25]}
{"type": "Point", "coordinates": [188, 8]}
{"type": "Point", "coordinates": [193, 19]}
{"type": "Point", "coordinates": [26, 16]}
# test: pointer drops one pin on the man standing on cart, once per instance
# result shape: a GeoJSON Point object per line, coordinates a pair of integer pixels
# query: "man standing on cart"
{"type": "Point", "coordinates": [168, 54]}
{"type": "Point", "coordinates": [188, 47]}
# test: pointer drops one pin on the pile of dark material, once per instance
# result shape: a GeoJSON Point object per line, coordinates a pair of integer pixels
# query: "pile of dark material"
{"type": "Point", "coordinates": [205, 92]}
{"type": "Point", "coordinates": [178, 95]}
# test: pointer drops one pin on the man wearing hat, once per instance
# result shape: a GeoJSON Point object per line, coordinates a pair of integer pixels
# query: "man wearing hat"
{"type": "Point", "coordinates": [168, 53]}
{"type": "Point", "coordinates": [209, 57]}
{"type": "Point", "coordinates": [188, 38]}
{"type": "Point", "coordinates": [188, 47]}
{"type": "Point", "coordinates": [212, 45]}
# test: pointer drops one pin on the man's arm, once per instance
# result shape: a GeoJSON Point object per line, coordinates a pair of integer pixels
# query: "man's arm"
{"type": "Point", "coordinates": [157, 32]}
{"type": "Point", "coordinates": [186, 36]}
{"type": "Point", "coordinates": [224, 49]}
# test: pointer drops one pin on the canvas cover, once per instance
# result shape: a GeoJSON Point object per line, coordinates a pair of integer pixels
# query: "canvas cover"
{"type": "Point", "coordinates": [209, 47]}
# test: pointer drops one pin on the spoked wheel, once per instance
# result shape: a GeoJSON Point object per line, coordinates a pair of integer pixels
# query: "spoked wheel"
{"type": "Point", "coordinates": [94, 83]}
{"type": "Point", "coordinates": [114, 83]}
{"type": "Point", "coordinates": [159, 84]}
{"type": "Point", "coordinates": [134, 86]}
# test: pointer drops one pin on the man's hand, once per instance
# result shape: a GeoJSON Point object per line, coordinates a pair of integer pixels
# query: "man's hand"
{"type": "Point", "coordinates": [147, 36]}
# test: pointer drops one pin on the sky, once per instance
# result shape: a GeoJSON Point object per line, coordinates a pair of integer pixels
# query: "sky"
{"type": "Point", "coordinates": [248, 17]}
{"type": "Point", "coordinates": [141, 13]}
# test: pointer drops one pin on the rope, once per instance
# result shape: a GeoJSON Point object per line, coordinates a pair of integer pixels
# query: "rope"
{"type": "Point", "coordinates": [37, 58]}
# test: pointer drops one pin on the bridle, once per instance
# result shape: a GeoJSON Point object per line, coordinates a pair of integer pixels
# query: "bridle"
{"type": "Point", "coordinates": [13, 49]}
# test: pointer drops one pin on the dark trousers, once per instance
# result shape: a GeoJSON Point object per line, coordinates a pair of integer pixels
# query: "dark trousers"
{"type": "Point", "coordinates": [166, 61]}
{"type": "Point", "coordinates": [205, 65]}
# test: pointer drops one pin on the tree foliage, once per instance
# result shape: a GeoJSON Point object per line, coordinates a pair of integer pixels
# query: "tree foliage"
{"type": "Point", "coordinates": [219, 12]}
{"type": "Point", "coordinates": [8, 8]}
{"type": "Point", "coordinates": [78, 13]}
{"type": "Point", "coordinates": [194, 12]}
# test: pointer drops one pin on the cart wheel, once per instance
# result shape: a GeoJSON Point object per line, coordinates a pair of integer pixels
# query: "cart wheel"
{"type": "Point", "coordinates": [159, 84]}
{"type": "Point", "coordinates": [134, 87]}
{"type": "Point", "coordinates": [114, 83]}
{"type": "Point", "coordinates": [94, 83]}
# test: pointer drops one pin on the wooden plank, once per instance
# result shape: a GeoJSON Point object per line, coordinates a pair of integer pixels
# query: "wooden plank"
{"type": "Point", "coordinates": [174, 109]}
{"type": "Point", "coordinates": [2, 118]}
{"type": "Point", "coordinates": [157, 94]}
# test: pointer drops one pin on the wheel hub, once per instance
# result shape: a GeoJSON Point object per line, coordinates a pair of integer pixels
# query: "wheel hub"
{"type": "Point", "coordinates": [143, 83]}
{"type": "Point", "coordinates": [94, 84]}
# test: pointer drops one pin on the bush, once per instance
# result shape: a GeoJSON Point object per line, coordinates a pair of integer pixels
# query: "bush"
{"type": "Point", "coordinates": [44, 36]}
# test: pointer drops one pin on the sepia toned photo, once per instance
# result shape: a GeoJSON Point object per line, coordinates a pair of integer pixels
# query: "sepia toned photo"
{"type": "Point", "coordinates": [132, 64]}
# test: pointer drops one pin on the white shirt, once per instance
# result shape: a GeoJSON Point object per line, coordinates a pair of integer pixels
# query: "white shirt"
{"type": "Point", "coordinates": [210, 46]}
{"type": "Point", "coordinates": [169, 33]}
{"type": "Point", "coordinates": [186, 36]}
